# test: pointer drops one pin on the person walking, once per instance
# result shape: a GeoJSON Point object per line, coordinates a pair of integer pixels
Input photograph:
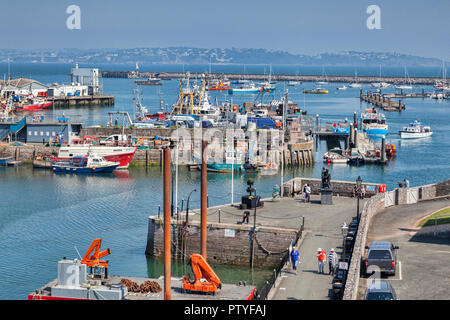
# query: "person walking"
{"type": "Point", "coordinates": [321, 259]}
{"type": "Point", "coordinates": [332, 261]}
{"type": "Point", "coordinates": [294, 259]}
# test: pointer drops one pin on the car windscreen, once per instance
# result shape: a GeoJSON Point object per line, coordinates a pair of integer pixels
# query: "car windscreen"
{"type": "Point", "coordinates": [379, 254]}
{"type": "Point", "coordinates": [380, 296]}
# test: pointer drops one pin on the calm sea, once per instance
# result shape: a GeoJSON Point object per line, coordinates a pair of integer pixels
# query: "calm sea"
{"type": "Point", "coordinates": [44, 217]}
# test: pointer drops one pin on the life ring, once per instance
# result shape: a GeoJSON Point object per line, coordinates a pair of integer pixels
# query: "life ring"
{"type": "Point", "coordinates": [382, 188]}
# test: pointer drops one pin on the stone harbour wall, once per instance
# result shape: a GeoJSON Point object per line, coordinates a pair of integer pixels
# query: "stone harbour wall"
{"type": "Point", "coordinates": [340, 188]}
{"type": "Point", "coordinates": [226, 244]}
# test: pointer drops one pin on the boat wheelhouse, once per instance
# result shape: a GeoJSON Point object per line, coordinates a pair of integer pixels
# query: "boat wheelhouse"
{"type": "Point", "coordinates": [374, 124]}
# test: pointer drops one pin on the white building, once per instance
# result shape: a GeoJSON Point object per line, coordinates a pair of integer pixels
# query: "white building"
{"type": "Point", "coordinates": [86, 77]}
{"type": "Point", "coordinates": [68, 90]}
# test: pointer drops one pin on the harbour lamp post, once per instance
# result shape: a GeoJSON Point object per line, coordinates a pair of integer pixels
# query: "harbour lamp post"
{"type": "Point", "coordinates": [358, 194]}
{"type": "Point", "coordinates": [187, 205]}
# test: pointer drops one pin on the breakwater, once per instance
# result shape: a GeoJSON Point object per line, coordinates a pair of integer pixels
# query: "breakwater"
{"type": "Point", "coordinates": [275, 77]}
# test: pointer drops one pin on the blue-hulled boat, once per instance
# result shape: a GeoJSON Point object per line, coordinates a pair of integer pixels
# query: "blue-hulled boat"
{"type": "Point", "coordinates": [374, 124]}
{"type": "Point", "coordinates": [239, 166]}
{"type": "Point", "coordinates": [89, 164]}
{"type": "Point", "coordinates": [5, 160]}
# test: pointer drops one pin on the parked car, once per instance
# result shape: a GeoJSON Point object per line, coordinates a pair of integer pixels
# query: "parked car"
{"type": "Point", "coordinates": [382, 254]}
{"type": "Point", "coordinates": [380, 290]}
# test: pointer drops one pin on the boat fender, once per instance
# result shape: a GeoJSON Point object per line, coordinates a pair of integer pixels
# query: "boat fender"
{"type": "Point", "coordinates": [382, 188]}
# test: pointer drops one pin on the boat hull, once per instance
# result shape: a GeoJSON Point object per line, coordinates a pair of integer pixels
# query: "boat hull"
{"type": "Point", "coordinates": [316, 91]}
{"type": "Point", "coordinates": [73, 169]}
{"type": "Point", "coordinates": [4, 161]}
{"type": "Point", "coordinates": [122, 155]}
{"type": "Point", "coordinates": [414, 135]}
{"type": "Point", "coordinates": [249, 91]}
{"type": "Point", "coordinates": [34, 107]}
{"type": "Point", "coordinates": [376, 132]}
{"type": "Point", "coordinates": [227, 168]}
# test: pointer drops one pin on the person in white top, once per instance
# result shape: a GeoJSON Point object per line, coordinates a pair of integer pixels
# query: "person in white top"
{"type": "Point", "coordinates": [406, 183]}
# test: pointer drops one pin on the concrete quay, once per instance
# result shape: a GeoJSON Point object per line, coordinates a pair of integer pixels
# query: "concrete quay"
{"type": "Point", "coordinates": [277, 224]}
{"type": "Point", "coordinates": [62, 101]}
{"type": "Point", "coordinates": [323, 225]}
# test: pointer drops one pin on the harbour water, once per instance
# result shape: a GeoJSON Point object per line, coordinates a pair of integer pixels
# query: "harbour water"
{"type": "Point", "coordinates": [44, 217]}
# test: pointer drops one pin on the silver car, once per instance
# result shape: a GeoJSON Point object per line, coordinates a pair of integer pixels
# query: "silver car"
{"type": "Point", "coordinates": [380, 290]}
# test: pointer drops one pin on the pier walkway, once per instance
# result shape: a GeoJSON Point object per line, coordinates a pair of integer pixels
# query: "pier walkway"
{"type": "Point", "coordinates": [381, 101]}
{"type": "Point", "coordinates": [323, 226]}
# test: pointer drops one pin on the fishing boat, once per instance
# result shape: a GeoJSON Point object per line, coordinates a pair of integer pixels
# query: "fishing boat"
{"type": "Point", "coordinates": [149, 82]}
{"type": "Point", "coordinates": [238, 165]}
{"type": "Point", "coordinates": [268, 87]}
{"type": "Point", "coordinates": [5, 160]}
{"type": "Point", "coordinates": [219, 86]}
{"type": "Point", "coordinates": [317, 90]}
{"type": "Point", "coordinates": [415, 130]}
{"type": "Point", "coordinates": [144, 119]}
{"type": "Point", "coordinates": [374, 124]}
{"type": "Point", "coordinates": [123, 155]}
{"type": "Point", "coordinates": [335, 156]}
{"type": "Point", "coordinates": [249, 88]}
{"type": "Point", "coordinates": [89, 164]}
{"type": "Point", "coordinates": [438, 94]}
{"type": "Point", "coordinates": [240, 81]}
{"type": "Point", "coordinates": [33, 105]}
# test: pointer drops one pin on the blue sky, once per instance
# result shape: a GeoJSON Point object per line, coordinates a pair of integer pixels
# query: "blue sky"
{"type": "Point", "coordinates": [415, 27]}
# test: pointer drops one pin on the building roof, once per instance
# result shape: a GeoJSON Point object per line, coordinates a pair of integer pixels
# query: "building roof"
{"type": "Point", "coordinates": [21, 83]}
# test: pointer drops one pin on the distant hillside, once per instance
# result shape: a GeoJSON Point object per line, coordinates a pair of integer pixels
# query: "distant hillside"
{"type": "Point", "coordinates": [186, 55]}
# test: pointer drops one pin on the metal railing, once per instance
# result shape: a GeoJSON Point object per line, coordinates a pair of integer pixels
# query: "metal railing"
{"type": "Point", "coordinates": [263, 293]}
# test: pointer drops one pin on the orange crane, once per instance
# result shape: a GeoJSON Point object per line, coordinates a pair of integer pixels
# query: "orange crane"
{"type": "Point", "coordinates": [93, 255]}
{"type": "Point", "coordinates": [201, 270]}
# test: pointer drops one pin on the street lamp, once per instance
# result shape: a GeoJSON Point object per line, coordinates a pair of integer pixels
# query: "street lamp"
{"type": "Point", "coordinates": [187, 205]}
{"type": "Point", "coordinates": [358, 184]}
